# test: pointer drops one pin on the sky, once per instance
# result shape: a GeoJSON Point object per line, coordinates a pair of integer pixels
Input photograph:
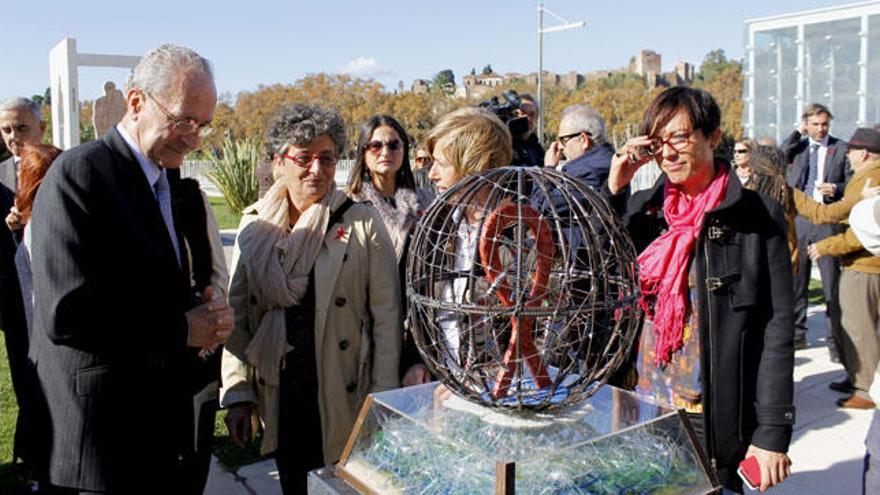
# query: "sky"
{"type": "Point", "coordinates": [260, 42]}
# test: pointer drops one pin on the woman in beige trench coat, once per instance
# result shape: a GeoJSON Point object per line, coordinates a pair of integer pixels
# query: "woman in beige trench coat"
{"type": "Point", "coordinates": [316, 297]}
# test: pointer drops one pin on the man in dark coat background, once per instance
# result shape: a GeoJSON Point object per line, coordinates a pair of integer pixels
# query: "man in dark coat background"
{"type": "Point", "coordinates": [20, 124]}
{"type": "Point", "coordinates": [582, 142]}
{"type": "Point", "coordinates": [527, 149]}
{"type": "Point", "coordinates": [819, 168]}
{"type": "Point", "coordinates": [114, 307]}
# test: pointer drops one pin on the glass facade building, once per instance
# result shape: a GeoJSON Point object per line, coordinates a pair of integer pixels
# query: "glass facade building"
{"type": "Point", "coordinates": [829, 56]}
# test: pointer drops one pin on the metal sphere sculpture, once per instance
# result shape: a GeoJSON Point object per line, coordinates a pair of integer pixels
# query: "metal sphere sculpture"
{"type": "Point", "coordinates": [523, 289]}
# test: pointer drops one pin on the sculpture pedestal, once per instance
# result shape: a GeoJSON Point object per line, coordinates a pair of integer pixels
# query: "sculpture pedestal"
{"type": "Point", "coordinates": [405, 441]}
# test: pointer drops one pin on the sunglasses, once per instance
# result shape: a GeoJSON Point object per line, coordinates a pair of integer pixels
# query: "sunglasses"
{"type": "Point", "coordinates": [563, 140]}
{"type": "Point", "coordinates": [375, 147]}
{"type": "Point", "coordinates": [741, 152]}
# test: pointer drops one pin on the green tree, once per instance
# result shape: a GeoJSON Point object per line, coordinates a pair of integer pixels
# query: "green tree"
{"type": "Point", "coordinates": [726, 87]}
{"type": "Point", "coordinates": [43, 99]}
{"type": "Point", "coordinates": [487, 69]}
{"type": "Point", "coordinates": [714, 64]}
{"type": "Point", "coordinates": [444, 77]}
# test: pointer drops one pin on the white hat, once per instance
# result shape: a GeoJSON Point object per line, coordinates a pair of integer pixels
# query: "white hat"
{"type": "Point", "coordinates": [864, 218]}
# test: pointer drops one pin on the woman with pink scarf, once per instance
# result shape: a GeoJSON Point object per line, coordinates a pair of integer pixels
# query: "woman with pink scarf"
{"type": "Point", "coordinates": [715, 277]}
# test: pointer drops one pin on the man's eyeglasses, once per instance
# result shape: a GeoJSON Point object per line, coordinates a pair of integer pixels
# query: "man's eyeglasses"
{"type": "Point", "coordinates": [375, 147]}
{"type": "Point", "coordinates": [564, 139]}
{"type": "Point", "coordinates": [678, 141]}
{"type": "Point", "coordinates": [181, 125]}
{"type": "Point", "coordinates": [305, 160]}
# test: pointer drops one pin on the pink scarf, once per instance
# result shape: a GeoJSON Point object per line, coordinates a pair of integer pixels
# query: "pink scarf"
{"type": "Point", "coordinates": [663, 264]}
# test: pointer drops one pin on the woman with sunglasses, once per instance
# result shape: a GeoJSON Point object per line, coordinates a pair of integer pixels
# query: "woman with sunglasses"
{"type": "Point", "coordinates": [382, 177]}
{"type": "Point", "coordinates": [742, 153]}
{"type": "Point", "coordinates": [422, 168]}
{"type": "Point", "coordinates": [317, 311]}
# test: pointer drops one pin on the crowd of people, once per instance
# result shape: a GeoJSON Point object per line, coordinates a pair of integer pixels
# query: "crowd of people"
{"type": "Point", "coordinates": [126, 333]}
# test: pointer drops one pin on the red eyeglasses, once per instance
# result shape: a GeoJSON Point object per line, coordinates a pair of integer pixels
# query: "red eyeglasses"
{"type": "Point", "coordinates": [305, 160]}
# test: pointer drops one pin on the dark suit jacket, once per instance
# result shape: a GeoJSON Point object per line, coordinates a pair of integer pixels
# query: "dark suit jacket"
{"type": "Point", "coordinates": [837, 169]}
{"type": "Point", "coordinates": [12, 321]}
{"type": "Point", "coordinates": [11, 311]}
{"type": "Point", "coordinates": [109, 311]}
{"type": "Point", "coordinates": [7, 174]}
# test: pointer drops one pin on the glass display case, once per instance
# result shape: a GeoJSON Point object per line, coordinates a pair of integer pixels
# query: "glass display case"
{"type": "Point", "coordinates": [872, 81]}
{"type": "Point", "coordinates": [829, 56]}
{"type": "Point", "coordinates": [831, 70]}
{"type": "Point", "coordinates": [776, 109]}
{"type": "Point", "coordinates": [408, 441]}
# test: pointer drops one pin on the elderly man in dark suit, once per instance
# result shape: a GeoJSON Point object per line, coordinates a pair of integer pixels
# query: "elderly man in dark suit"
{"type": "Point", "coordinates": [819, 168]}
{"type": "Point", "coordinates": [20, 124]}
{"type": "Point", "coordinates": [115, 312]}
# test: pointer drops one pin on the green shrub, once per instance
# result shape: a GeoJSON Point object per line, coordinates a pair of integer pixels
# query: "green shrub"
{"type": "Point", "coordinates": [233, 171]}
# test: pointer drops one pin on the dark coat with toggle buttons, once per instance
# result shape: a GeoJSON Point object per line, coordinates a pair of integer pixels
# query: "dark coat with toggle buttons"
{"type": "Point", "coordinates": [746, 319]}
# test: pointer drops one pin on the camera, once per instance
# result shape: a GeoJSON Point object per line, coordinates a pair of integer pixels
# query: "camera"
{"type": "Point", "coordinates": [505, 108]}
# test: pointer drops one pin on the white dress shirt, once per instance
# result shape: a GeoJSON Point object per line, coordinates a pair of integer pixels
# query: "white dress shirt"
{"type": "Point", "coordinates": [820, 166]}
{"type": "Point", "coordinates": [153, 172]}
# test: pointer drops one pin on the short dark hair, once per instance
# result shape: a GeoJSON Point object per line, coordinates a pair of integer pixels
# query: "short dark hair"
{"type": "Point", "coordinates": [360, 172]}
{"type": "Point", "coordinates": [700, 106]}
{"type": "Point", "coordinates": [816, 109]}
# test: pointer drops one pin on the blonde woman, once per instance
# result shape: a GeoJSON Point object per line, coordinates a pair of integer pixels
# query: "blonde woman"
{"type": "Point", "coordinates": [465, 142]}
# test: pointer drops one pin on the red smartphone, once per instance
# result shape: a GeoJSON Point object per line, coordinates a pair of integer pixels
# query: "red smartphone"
{"type": "Point", "coordinates": [750, 472]}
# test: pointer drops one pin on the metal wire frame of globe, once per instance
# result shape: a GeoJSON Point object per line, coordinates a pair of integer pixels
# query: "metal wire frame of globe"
{"type": "Point", "coordinates": [523, 289]}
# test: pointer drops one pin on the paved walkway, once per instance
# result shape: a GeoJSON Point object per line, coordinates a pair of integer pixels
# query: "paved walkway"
{"type": "Point", "coordinates": [826, 450]}
{"type": "Point", "coordinates": [828, 444]}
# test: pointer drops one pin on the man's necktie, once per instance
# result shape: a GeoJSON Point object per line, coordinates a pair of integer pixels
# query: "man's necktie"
{"type": "Point", "coordinates": [163, 196]}
{"type": "Point", "coordinates": [812, 169]}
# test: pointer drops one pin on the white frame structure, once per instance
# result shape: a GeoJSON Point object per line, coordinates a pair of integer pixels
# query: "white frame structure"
{"type": "Point", "coordinates": [799, 21]}
{"type": "Point", "coordinates": [64, 62]}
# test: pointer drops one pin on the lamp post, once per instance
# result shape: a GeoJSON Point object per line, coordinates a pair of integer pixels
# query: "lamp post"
{"type": "Point", "coordinates": [541, 31]}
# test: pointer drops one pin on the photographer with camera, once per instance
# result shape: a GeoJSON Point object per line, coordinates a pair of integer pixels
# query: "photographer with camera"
{"type": "Point", "coordinates": [531, 146]}
{"type": "Point", "coordinates": [520, 113]}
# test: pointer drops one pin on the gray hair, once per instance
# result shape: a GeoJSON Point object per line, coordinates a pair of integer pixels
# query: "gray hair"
{"type": "Point", "coordinates": [20, 102]}
{"type": "Point", "coordinates": [161, 67]}
{"type": "Point", "coordinates": [585, 119]}
{"type": "Point", "coordinates": [300, 125]}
